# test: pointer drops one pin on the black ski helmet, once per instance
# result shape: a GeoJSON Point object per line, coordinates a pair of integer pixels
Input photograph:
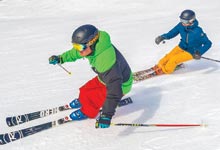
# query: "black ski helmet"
{"type": "Point", "coordinates": [188, 15]}
{"type": "Point", "coordinates": [85, 34]}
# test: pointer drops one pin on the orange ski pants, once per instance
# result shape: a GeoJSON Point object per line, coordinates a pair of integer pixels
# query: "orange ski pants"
{"type": "Point", "coordinates": [176, 56]}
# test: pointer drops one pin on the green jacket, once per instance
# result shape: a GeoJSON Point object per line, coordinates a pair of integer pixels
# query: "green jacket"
{"type": "Point", "coordinates": [111, 67]}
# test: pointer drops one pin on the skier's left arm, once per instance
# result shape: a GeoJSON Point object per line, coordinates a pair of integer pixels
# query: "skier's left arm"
{"type": "Point", "coordinates": [205, 43]}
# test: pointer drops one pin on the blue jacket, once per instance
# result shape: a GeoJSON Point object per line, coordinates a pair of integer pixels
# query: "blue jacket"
{"type": "Point", "coordinates": [192, 38]}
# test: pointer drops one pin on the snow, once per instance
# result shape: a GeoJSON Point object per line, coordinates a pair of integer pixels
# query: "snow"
{"type": "Point", "coordinates": [33, 30]}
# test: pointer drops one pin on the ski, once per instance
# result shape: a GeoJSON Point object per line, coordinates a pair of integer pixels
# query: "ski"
{"type": "Point", "coordinates": [16, 120]}
{"type": "Point", "coordinates": [19, 134]}
{"type": "Point", "coordinates": [143, 75]}
{"type": "Point", "coordinates": [125, 102]}
{"type": "Point", "coordinates": [138, 73]}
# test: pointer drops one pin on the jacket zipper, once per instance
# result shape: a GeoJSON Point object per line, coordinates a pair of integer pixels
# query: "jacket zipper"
{"type": "Point", "coordinates": [187, 38]}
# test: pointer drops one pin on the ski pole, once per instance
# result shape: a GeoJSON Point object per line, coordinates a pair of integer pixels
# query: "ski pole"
{"type": "Point", "coordinates": [158, 125]}
{"type": "Point", "coordinates": [210, 59]}
{"type": "Point", "coordinates": [64, 69]}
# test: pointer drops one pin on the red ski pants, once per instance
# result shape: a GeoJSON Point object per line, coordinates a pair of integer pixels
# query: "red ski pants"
{"type": "Point", "coordinates": [92, 97]}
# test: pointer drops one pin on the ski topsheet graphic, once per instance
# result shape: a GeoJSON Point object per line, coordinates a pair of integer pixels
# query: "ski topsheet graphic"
{"type": "Point", "coordinates": [16, 120]}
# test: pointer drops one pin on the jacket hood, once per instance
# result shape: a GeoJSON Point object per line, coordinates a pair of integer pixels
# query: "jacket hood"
{"type": "Point", "coordinates": [103, 51]}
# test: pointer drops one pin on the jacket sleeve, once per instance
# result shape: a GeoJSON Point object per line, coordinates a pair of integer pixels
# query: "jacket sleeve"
{"type": "Point", "coordinates": [113, 80]}
{"type": "Point", "coordinates": [206, 43]}
{"type": "Point", "coordinates": [70, 55]}
{"type": "Point", "coordinates": [172, 33]}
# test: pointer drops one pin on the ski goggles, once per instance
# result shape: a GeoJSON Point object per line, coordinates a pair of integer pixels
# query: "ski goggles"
{"type": "Point", "coordinates": [187, 21]}
{"type": "Point", "coordinates": [82, 47]}
{"type": "Point", "coordinates": [79, 47]}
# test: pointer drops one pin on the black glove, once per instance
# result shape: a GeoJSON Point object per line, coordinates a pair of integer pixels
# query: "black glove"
{"type": "Point", "coordinates": [103, 121]}
{"type": "Point", "coordinates": [54, 60]}
{"type": "Point", "coordinates": [159, 39]}
{"type": "Point", "coordinates": [197, 55]}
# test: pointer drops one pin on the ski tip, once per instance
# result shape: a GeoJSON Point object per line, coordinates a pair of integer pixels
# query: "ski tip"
{"type": "Point", "coordinates": [9, 122]}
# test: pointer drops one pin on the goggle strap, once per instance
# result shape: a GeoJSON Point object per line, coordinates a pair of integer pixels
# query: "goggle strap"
{"type": "Point", "coordinates": [91, 42]}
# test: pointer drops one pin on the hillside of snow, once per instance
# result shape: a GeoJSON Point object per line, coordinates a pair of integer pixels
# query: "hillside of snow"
{"type": "Point", "coordinates": [33, 30]}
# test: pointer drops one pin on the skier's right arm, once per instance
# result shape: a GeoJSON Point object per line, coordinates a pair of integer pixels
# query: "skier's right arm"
{"type": "Point", "coordinates": [55, 60]}
{"type": "Point", "coordinates": [68, 56]}
{"type": "Point", "coordinates": [171, 34]}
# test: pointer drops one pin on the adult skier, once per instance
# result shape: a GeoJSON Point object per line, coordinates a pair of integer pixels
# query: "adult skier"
{"type": "Point", "coordinates": [114, 77]}
{"type": "Point", "coordinates": [193, 43]}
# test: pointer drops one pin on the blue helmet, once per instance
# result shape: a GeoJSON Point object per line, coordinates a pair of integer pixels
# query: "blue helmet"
{"type": "Point", "coordinates": [85, 34]}
{"type": "Point", "coordinates": [188, 15]}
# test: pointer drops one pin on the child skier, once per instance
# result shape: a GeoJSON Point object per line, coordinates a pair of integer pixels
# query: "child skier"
{"type": "Point", "coordinates": [114, 77]}
{"type": "Point", "coordinates": [194, 43]}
